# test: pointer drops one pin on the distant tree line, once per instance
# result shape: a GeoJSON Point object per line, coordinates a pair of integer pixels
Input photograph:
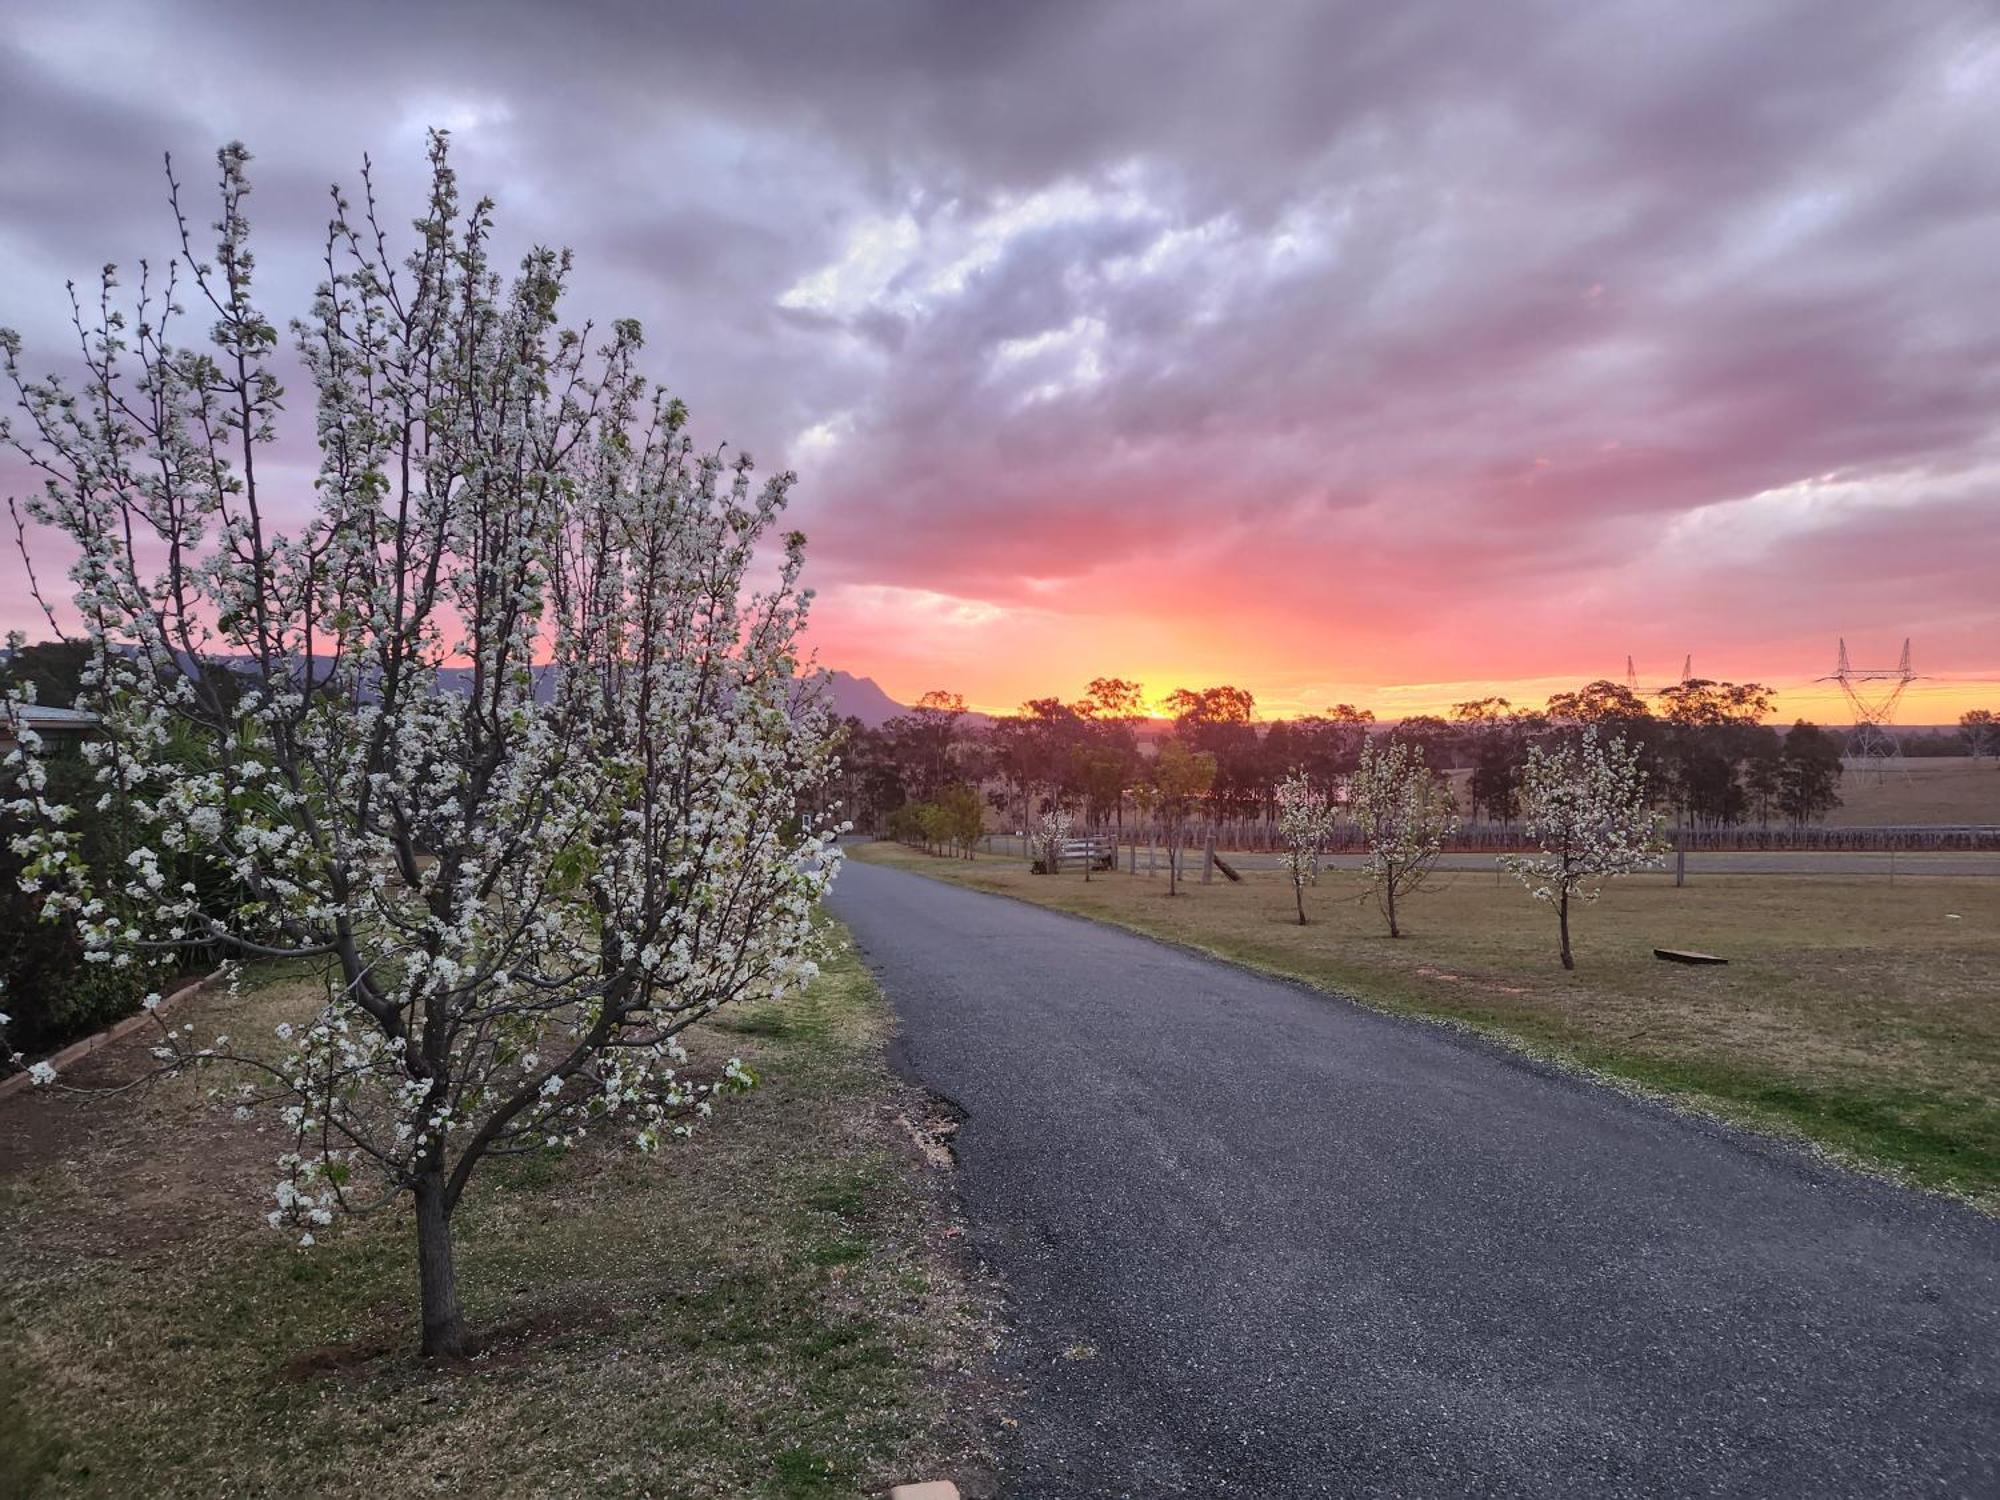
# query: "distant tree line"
{"type": "Point", "coordinates": [1585, 800]}
{"type": "Point", "coordinates": [1701, 749]}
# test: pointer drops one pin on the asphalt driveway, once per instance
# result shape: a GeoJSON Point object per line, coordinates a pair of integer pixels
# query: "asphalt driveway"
{"type": "Point", "coordinates": [1260, 1241]}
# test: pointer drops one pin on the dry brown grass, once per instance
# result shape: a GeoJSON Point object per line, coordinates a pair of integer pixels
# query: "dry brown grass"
{"type": "Point", "coordinates": [1937, 790]}
{"type": "Point", "coordinates": [1860, 1012]}
{"type": "Point", "coordinates": [1948, 789]}
{"type": "Point", "coordinates": [776, 1308]}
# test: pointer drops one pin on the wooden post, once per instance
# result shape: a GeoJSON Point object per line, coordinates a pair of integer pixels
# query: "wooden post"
{"type": "Point", "coordinates": [1208, 856]}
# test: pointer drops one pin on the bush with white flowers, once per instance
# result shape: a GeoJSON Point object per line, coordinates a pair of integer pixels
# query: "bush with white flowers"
{"type": "Point", "coordinates": [489, 725]}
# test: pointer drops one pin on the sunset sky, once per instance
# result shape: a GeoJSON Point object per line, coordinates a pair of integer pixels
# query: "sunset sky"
{"type": "Point", "coordinates": [1391, 354]}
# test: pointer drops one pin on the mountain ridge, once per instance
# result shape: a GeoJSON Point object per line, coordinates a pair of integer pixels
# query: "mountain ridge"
{"type": "Point", "coordinates": [855, 697]}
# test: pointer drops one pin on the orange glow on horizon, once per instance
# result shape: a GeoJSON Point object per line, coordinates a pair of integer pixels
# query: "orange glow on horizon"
{"type": "Point", "coordinates": [1302, 655]}
{"type": "Point", "coordinates": [1926, 703]}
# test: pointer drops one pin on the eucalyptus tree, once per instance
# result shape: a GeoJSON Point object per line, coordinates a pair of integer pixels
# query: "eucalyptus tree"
{"type": "Point", "coordinates": [1115, 708]}
{"type": "Point", "coordinates": [1810, 766]}
{"type": "Point", "coordinates": [1220, 722]}
{"type": "Point", "coordinates": [1981, 731]}
{"type": "Point", "coordinates": [1495, 736]}
{"type": "Point", "coordinates": [516, 762]}
{"type": "Point", "coordinates": [1709, 730]}
{"type": "Point", "coordinates": [928, 742]}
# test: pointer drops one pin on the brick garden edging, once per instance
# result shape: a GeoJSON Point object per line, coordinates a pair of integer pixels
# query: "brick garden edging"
{"type": "Point", "coordinates": [114, 1033]}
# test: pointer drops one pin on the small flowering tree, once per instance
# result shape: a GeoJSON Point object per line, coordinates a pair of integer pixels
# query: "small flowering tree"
{"type": "Point", "coordinates": [1180, 778]}
{"type": "Point", "coordinates": [1585, 806]}
{"type": "Point", "coordinates": [1052, 832]}
{"type": "Point", "coordinates": [495, 738]}
{"type": "Point", "coordinates": [1305, 822]}
{"type": "Point", "coordinates": [1404, 810]}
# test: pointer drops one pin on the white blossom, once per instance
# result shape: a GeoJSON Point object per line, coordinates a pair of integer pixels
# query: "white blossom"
{"type": "Point", "coordinates": [1404, 811]}
{"type": "Point", "coordinates": [1305, 823]}
{"type": "Point", "coordinates": [1585, 806]}
{"type": "Point", "coordinates": [514, 750]}
{"type": "Point", "coordinates": [1052, 832]}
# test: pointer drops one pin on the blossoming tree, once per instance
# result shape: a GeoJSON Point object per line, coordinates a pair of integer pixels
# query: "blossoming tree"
{"type": "Point", "coordinates": [1052, 831]}
{"type": "Point", "coordinates": [1404, 810]}
{"type": "Point", "coordinates": [1305, 822]}
{"type": "Point", "coordinates": [507, 749]}
{"type": "Point", "coordinates": [1585, 806]}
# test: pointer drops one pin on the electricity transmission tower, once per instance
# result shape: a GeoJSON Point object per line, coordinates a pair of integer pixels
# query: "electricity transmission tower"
{"type": "Point", "coordinates": [1632, 672]}
{"type": "Point", "coordinates": [1873, 693]}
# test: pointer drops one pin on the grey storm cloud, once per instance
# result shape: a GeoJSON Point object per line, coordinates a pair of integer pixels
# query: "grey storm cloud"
{"type": "Point", "coordinates": [1036, 290]}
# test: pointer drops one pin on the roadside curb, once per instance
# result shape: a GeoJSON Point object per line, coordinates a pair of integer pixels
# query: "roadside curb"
{"type": "Point", "coordinates": [76, 1051]}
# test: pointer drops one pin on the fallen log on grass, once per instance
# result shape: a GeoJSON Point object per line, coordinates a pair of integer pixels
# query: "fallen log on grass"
{"type": "Point", "coordinates": [1687, 956]}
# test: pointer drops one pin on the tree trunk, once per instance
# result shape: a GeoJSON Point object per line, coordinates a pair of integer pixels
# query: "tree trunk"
{"type": "Point", "coordinates": [1299, 894]}
{"type": "Point", "coordinates": [444, 1326]}
{"type": "Point", "coordinates": [1389, 886]}
{"type": "Point", "coordinates": [1562, 917]}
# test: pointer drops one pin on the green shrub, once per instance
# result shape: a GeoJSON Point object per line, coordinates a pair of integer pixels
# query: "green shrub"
{"type": "Point", "coordinates": [50, 992]}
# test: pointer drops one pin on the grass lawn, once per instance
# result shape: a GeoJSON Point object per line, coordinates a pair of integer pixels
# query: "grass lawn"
{"type": "Point", "coordinates": [1947, 789]}
{"type": "Point", "coordinates": [1856, 1012]}
{"type": "Point", "coordinates": [775, 1308]}
{"type": "Point", "coordinates": [1944, 789]}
